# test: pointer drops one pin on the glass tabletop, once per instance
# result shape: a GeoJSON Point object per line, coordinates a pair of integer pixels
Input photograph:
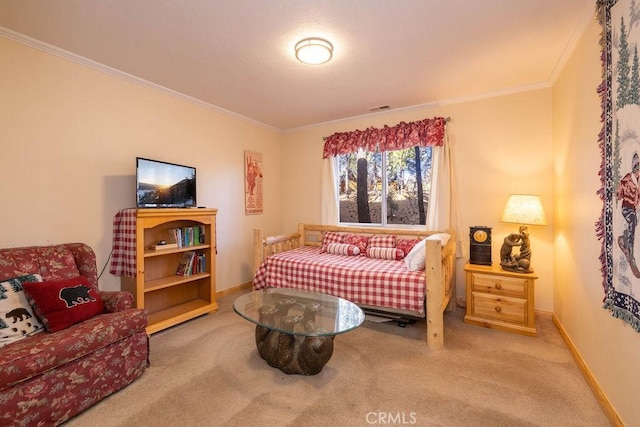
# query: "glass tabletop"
{"type": "Point", "coordinates": [298, 312]}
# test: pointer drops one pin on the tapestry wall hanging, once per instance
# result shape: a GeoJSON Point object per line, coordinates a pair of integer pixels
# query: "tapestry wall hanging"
{"type": "Point", "coordinates": [620, 149]}
{"type": "Point", "coordinates": [253, 191]}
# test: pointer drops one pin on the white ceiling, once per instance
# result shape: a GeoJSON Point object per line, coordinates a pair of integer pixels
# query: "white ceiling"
{"type": "Point", "coordinates": [237, 55]}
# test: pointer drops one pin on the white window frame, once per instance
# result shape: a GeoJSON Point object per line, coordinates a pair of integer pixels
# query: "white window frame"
{"type": "Point", "coordinates": [383, 204]}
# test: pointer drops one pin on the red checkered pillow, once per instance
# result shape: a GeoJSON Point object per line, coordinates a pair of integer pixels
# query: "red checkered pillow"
{"type": "Point", "coordinates": [360, 241]}
{"type": "Point", "coordinates": [62, 303]}
{"type": "Point", "coordinates": [385, 253]}
{"type": "Point", "coordinates": [331, 237]}
{"type": "Point", "coordinates": [382, 241]}
{"type": "Point", "coordinates": [342, 249]}
{"type": "Point", "coordinates": [406, 244]}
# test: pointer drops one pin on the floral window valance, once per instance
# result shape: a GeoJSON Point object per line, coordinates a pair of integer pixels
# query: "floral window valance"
{"type": "Point", "coordinates": [424, 133]}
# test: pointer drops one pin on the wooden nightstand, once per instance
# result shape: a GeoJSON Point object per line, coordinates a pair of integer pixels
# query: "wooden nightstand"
{"type": "Point", "coordinates": [500, 299]}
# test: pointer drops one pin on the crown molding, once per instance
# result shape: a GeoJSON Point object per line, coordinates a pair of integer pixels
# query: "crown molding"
{"type": "Point", "coordinates": [588, 16]}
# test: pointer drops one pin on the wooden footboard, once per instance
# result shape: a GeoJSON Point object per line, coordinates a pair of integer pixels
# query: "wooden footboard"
{"type": "Point", "coordinates": [439, 268]}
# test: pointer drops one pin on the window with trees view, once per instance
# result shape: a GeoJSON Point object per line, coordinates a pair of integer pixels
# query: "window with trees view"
{"type": "Point", "coordinates": [391, 187]}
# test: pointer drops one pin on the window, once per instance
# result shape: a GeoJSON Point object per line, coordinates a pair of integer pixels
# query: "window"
{"type": "Point", "coordinates": [385, 188]}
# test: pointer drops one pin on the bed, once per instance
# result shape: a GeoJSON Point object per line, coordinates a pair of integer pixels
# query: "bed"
{"type": "Point", "coordinates": [388, 287]}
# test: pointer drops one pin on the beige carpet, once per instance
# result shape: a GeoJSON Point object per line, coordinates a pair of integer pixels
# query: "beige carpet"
{"type": "Point", "coordinates": [207, 372]}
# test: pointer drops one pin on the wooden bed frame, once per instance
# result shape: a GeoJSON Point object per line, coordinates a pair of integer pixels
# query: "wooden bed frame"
{"type": "Point", "coordinates": [439, 269]}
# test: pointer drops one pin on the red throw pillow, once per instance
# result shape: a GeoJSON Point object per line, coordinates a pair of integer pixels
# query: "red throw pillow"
{"type": "Point", "coordinates": [358, 240]}
{"type": "Point", "coordinates": [62, 303]}
{"type": "Point", "coordinates": [406, 244]}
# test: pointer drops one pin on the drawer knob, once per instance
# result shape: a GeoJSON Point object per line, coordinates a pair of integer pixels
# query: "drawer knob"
{"type": "Point", "coordinates": [498, 309]}
{"type": "Point", "coordinates": [498, 285]}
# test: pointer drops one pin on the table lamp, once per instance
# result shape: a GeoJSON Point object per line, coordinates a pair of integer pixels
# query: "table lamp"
{"type": "Point", "coordinates": [523, 209]}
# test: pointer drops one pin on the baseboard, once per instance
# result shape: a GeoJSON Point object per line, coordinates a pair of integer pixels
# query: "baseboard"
{"type": "Point", "coordinates": [234, 290]}
{"type": "Point", "coordinates": [595, 387]}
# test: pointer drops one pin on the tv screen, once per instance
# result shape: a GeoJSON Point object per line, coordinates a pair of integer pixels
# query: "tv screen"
{"type": "Point", "coordinates": [164, 185]}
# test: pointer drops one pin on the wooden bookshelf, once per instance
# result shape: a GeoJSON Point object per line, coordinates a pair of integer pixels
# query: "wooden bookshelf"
{"type": "Point", "coordinates": [168, 298]}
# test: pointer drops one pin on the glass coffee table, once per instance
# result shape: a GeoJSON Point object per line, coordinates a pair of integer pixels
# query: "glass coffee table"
{"type": "Point", "coordinates": [295, 329]}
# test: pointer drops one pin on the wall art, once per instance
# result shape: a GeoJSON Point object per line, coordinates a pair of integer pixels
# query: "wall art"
{"type": "Point", "coordinates": [620, 148]}
{"type": "Point", "coordinates": [253, 190]}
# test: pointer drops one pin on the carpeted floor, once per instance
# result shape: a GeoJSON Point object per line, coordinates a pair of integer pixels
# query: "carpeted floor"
{"type": "Point", "coordinates": [207, 372]}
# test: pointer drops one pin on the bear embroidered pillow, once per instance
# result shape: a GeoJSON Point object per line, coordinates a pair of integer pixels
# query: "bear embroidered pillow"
{"type": "Point", "coordinates": [17, 320]}
{"type": "Point", "coordinates": [62, 303]}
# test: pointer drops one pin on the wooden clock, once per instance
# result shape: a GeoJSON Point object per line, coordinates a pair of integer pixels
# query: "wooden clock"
{"type": "Point", "coordinates": [480, 245]}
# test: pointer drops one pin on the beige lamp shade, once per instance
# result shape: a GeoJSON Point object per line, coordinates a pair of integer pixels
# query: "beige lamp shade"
{"type": "Point", "coordinates": [524, 209]}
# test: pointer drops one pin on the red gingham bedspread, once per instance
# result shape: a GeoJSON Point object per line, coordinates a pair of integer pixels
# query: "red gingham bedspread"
{"type": "Point", "coordinates": [359, 279]}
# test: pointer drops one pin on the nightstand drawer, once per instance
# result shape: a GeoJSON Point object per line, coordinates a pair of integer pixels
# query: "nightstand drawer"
{"type": "Point", "coordinates": [500, 299]}
{"type": "Point", "coordinates": [499, 285]}
{"type": "Point", "coordinates": [506, 309]}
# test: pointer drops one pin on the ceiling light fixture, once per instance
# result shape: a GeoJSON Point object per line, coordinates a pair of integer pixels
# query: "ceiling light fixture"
{"type": "Point", "coordinates": [314, 51]}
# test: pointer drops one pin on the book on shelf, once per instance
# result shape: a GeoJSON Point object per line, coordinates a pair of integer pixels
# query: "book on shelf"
{"type": "Point", "coordinates": [196, 235]}
{"type": "Point", "coordinates": [192, 263]}
{"type": "Point", "coordinates": [188, 236]}
{"type": "Point", "coordinates": [201, 263]}
{"type": "Point", "coordinates": [202, 235]}
{"type": "Point", "coordinates": [174, 234]}
{"type": "Point", "coordinates": [185, 264]}
{"type": "Point", "coordinates": [171, 236]}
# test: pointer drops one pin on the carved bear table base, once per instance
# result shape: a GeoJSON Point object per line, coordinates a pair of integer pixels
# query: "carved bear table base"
{"type": "Point", "coordinates": [293, 354]}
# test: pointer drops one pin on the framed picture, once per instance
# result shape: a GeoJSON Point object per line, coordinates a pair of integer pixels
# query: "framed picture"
{"type": "Point", "coordinates": [620, 150]}
{"type": "Point", "coordinates": [253, 191]}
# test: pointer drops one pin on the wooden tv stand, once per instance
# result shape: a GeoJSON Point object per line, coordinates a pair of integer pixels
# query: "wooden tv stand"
{"type": "Point", "coordinates": [170, 298]}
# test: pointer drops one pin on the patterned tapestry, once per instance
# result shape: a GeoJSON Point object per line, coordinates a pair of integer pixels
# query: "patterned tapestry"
{"type": "Point", "coordinates": [620, 148]}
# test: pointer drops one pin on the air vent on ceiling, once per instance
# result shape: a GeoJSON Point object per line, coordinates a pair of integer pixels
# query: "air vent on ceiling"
{"type": "Point", "coordinates": [380, 108]}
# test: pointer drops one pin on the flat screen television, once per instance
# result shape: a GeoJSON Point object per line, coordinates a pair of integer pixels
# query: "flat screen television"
{"type": "Point", "coordinates": [164, 185]}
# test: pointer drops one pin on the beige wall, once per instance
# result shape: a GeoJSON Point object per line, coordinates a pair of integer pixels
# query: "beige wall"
{"type": "Point", "coordinates": [501, 145]}
{"type": "Point", "coordinates": [609, 347]}
{"type": "Point", "coordinates": [70, 135]}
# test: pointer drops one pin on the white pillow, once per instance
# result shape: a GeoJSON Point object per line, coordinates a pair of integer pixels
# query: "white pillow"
{"type": "Point", "coordinates": [415, 259]}
{"type": "Point", "coordinates": [17, 319]}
